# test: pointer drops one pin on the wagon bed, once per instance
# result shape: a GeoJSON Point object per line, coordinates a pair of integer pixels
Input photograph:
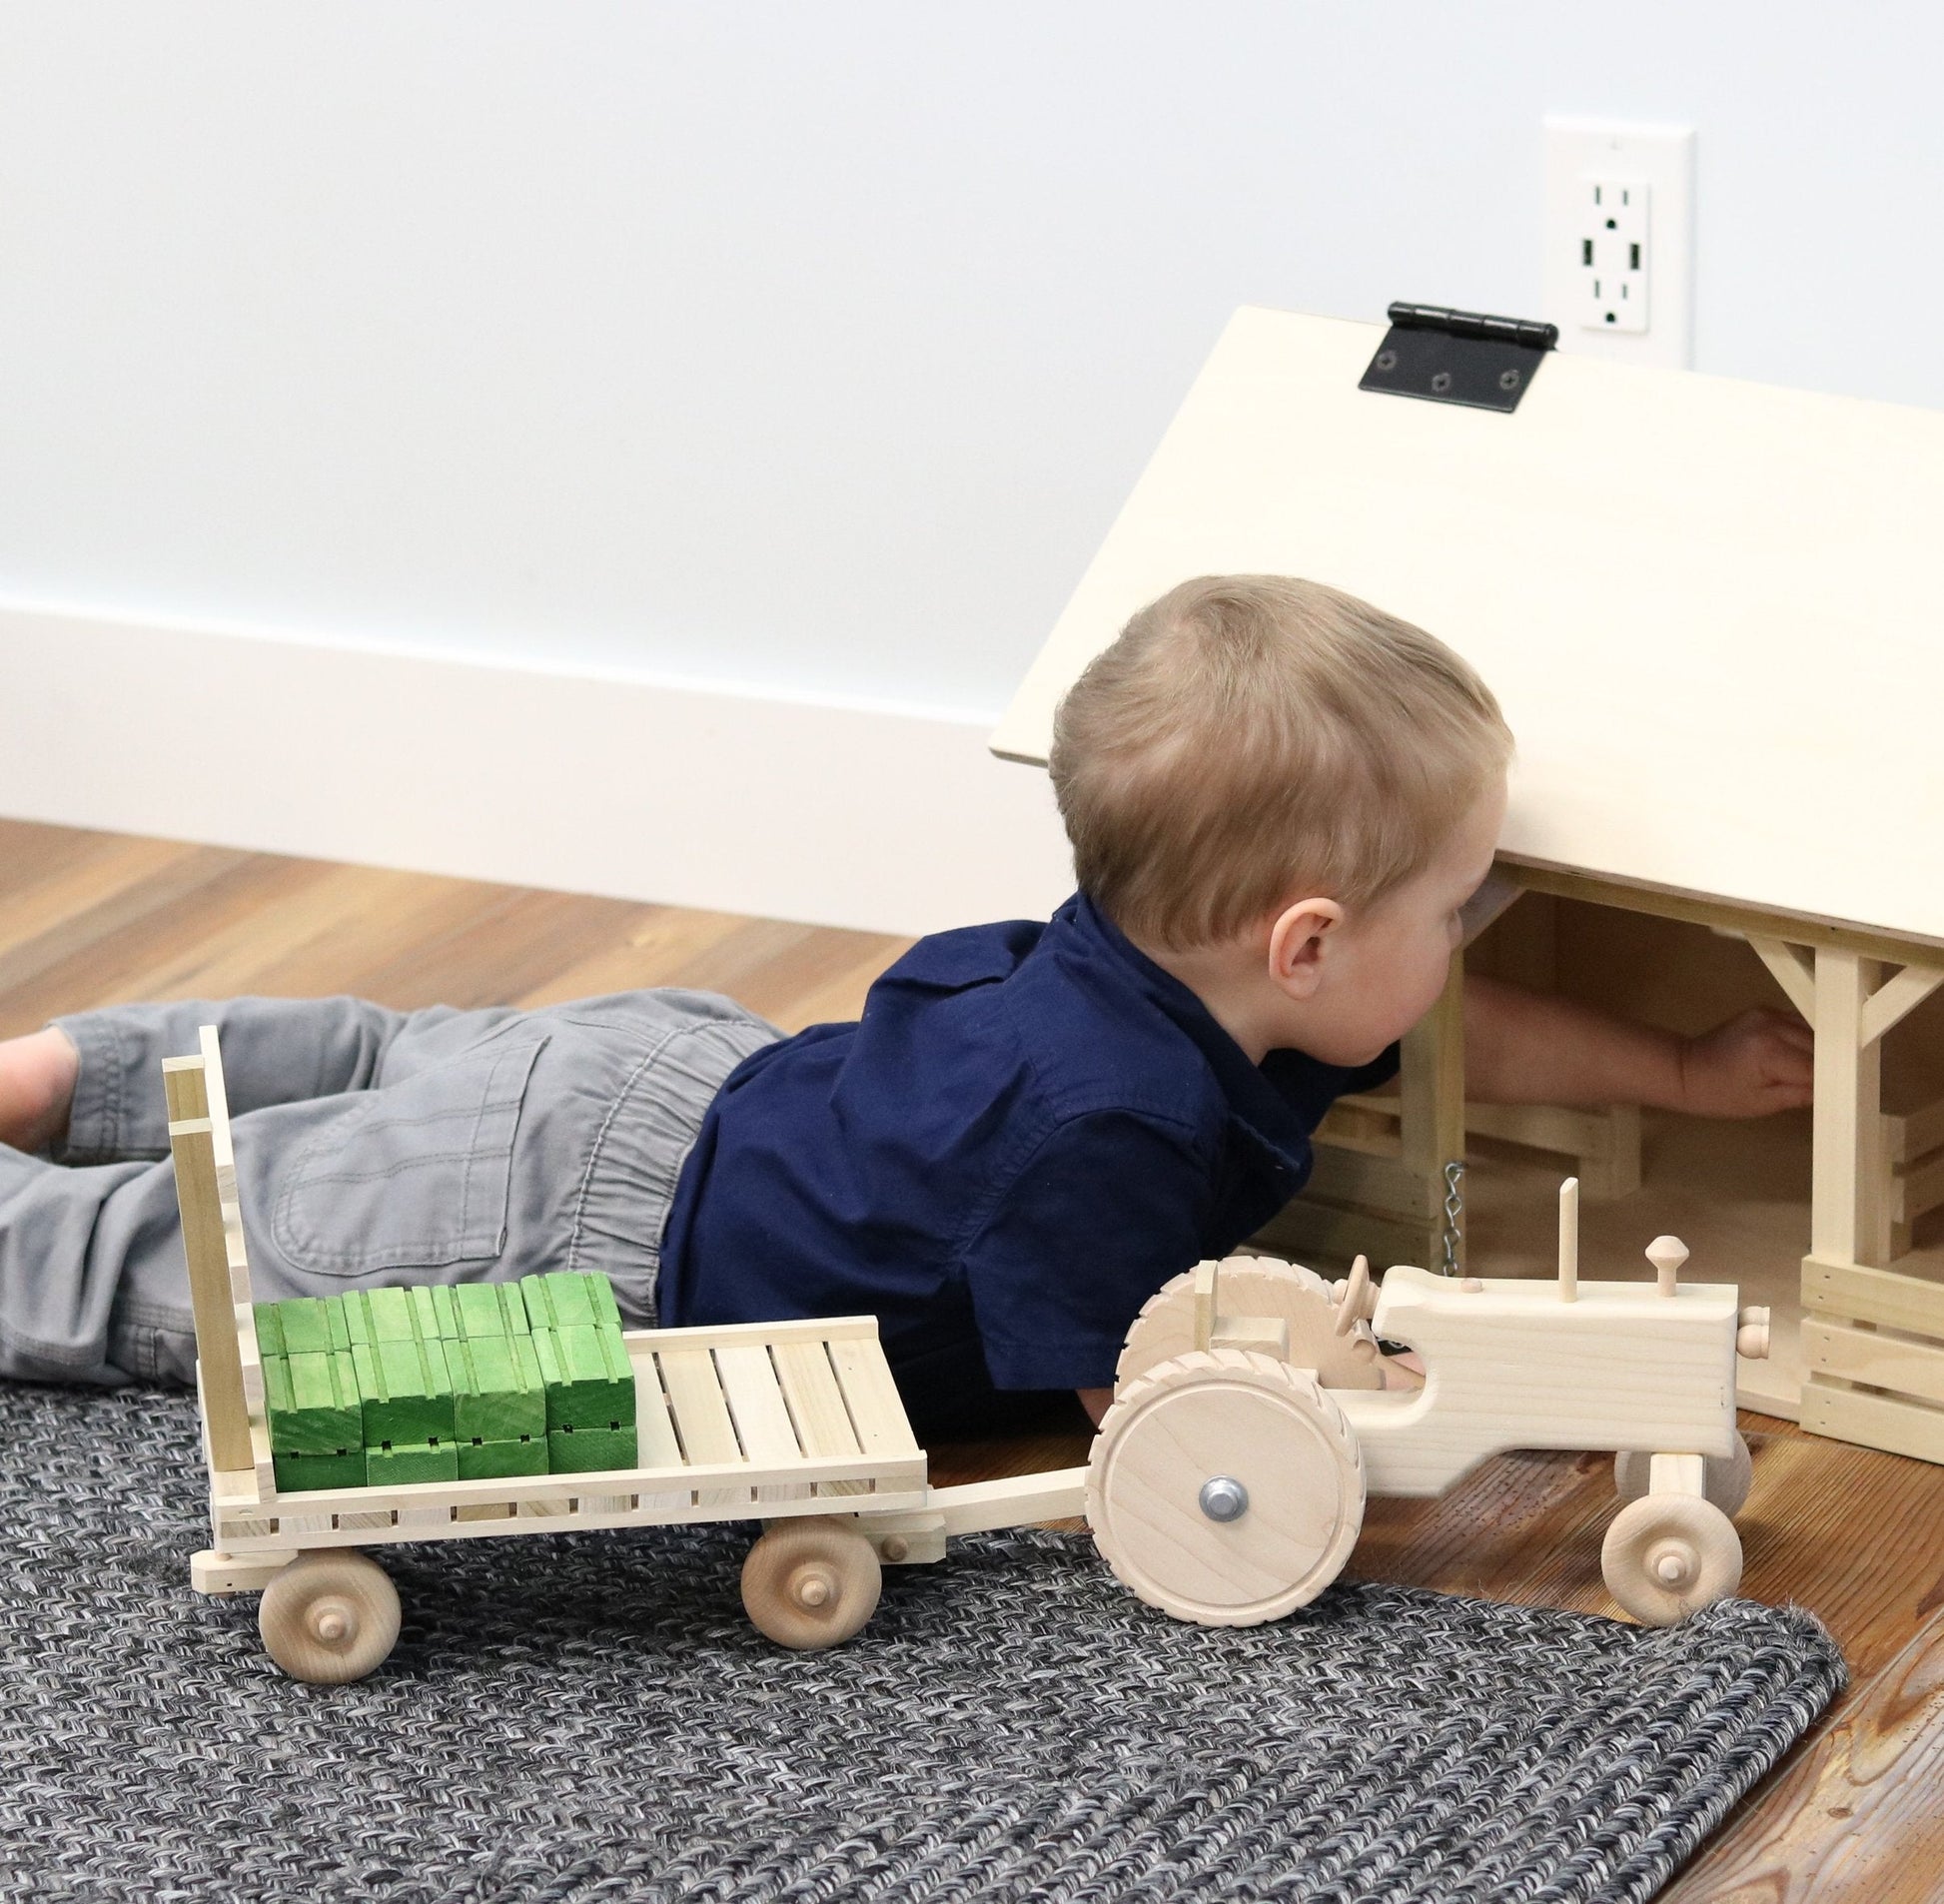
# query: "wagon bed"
{"type": "Point", "coordinates": [745, 1421]}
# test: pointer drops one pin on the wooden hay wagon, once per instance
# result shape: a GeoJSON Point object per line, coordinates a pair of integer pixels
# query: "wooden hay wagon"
{"type": "Point", "coordinates": [795, 1423]}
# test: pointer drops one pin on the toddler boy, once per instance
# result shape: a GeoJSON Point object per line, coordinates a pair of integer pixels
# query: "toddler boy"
{"type": "Point", "coordinates": [1280, 800]}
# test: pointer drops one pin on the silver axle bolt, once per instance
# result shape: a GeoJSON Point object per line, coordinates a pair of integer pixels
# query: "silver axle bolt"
{"type": "Point", "coordinates": [1224, 1498]}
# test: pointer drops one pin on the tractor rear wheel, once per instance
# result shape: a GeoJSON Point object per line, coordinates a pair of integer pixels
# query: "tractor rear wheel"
{"type": "Point", "coordinates": [1224, 1488]}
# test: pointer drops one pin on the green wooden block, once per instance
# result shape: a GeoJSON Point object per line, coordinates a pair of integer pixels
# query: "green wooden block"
{"type": "Point", "coordinates": [570, 1299]}
{"type": "Point", "coordinates": [589, 1379]}
{"type": "Point", "coordinates": [498, 1394]}
{"type": "Point", "coordinates": [296, 1472]}
{"type": "Point", "coordinates": [269, 1331]}
{"type": "Point", "coordinates": [591, 1451]}
{"type": "Point", "coordinates": [377, 1316]}
{"type": "Point", "coordinates": [392, 1314]}
{"type": "Point", "coordinates": [406, 1389]}
{"type": "Point", "coordinates": [402, 1463]}
{"type": "Point", "coordinates": [487, 1309]}
{"type": "Point", "coordinates": [307, 1325]}
{"type": "Point", "coordinates": [314, 1403]}
{"type": "Point", "coordinates": [502, 1461]}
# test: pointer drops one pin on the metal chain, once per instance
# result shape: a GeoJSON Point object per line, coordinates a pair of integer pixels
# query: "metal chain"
{"type": "Point", "coordinates": [1453, 1215]}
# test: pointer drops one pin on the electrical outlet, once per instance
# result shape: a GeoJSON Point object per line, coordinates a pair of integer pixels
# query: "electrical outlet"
{"type": "Point", "coordinates": [1618, 278]}
{"type": "Point", "coordinates": [1614, 281]}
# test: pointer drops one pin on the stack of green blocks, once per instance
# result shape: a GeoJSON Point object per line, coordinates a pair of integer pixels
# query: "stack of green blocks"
{"type": "Point", "coordinates": [481, 1381]}
{"type": "Point", "coordinates": [589, 1381]}
{"type": "Point", "coordinates": [317, 1435]}
{"type": "Point", "coordinates": [499, 1402]}
{"type": "Point", "coordinates": [398, 1351]}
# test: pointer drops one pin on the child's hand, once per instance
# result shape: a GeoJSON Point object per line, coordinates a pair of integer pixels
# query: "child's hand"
{"type": "Point", "coordinates": [1759, 1062]}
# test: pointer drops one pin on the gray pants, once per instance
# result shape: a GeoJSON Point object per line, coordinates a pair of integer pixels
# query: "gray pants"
{"type": "Point", "coordinates": [371, 1146]}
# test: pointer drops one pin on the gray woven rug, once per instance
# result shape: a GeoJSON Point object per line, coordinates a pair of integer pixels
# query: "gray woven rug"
{"type": "Point", "coordinates": [588, 1718]}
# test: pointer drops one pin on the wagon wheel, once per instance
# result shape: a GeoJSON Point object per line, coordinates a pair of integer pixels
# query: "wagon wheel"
{"type": "Point", "coordinates": [1667, 1555]}
{"type": "Point", "coordinates": [330, 1617]}
{"type": "Point", "coordinates": [1725, 1478]}
{"type": "Point", "coordinates": [1257, 1285]}
{"type": "Point", "coordinates": [1224, 1488]}
{"type": "Point", "coordinates": [811, 1582]}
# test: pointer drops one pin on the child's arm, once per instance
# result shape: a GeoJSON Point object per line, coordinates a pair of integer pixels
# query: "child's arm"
{"type": "Point", "coordinates": [1525, 1046]}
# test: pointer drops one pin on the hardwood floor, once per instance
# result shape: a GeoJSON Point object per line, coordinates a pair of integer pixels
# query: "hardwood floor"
{"type": "Point", "coordinates": [1856, 1536]}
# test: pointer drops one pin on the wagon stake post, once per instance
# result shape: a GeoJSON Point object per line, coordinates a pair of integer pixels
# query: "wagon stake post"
{"type": "Point", "coordinates": [191, 1145]}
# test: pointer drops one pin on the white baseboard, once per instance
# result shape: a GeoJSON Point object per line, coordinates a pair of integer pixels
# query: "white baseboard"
{"type": "Point", "coordinates": [888, 821]}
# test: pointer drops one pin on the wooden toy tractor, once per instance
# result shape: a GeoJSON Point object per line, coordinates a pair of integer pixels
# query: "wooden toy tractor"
{"type": "Point", "coordinates": [1250, 1419]}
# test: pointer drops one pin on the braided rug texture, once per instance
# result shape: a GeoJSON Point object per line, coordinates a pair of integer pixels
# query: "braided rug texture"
{"type": "Point", "coordinates": [588, 1716]}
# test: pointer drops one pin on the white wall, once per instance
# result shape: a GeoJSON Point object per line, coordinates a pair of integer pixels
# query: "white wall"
{"type": "Point", "coordinates": [542, 777]}
{"type": "Point", "coordinates": [810, 347]}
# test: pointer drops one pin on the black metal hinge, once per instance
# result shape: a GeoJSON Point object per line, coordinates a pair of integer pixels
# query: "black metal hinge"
{"type": "Point", "coordinates": [1458, 357]}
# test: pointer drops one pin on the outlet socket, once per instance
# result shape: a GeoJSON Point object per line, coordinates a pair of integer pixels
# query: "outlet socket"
{"type": "Point", "coordinates": [1614, 256]}
{"type": "Point", "coordinates": [1619, 220]}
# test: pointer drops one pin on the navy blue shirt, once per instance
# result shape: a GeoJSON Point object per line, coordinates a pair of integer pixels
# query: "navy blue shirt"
{"type": "Point", "coordinates": [1030, 1130]}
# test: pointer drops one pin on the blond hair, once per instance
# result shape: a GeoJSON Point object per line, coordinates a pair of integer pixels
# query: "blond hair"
{"type": "Point", "coordinates": [1253, 739]}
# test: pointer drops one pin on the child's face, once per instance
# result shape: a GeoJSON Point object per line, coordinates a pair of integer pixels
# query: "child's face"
{"type": "Point", "coordinates": [1382, 967]}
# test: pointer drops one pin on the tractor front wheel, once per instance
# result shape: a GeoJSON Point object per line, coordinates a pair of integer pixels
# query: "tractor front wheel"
{"type": "Point", "coordinates": [1669, 1556]}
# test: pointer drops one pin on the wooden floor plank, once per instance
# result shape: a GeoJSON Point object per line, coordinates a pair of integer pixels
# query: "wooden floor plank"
{"type": "Point", "coordinates": [31, 851]}
{"type": "Point", "coordinates": [361, 950]}
{"type": "Point", "coordinates": [647, 945]}
{"type": "Point", "coordinates": [255, 946]}
{"type": "Point", "coordinates": [92, 957]}
{"type": "Point", "coordinates": [772, 965]}
{"type": "Point", "coordinates": [1853, 1815]}
{"type": "Point", "coordinates": [839, 994]}
{"type": "Point", "coordinates": [1856, 1535]}
{"type": "Point", "coordinates": [43, 886]}
{"type": "Point", "coordinates": [512, 944]}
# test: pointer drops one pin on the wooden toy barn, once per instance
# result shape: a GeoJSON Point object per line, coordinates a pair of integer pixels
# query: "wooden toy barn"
{"type": "Point", "coordinates": [1706, 609]}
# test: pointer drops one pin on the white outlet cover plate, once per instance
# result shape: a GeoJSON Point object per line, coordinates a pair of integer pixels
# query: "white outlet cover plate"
{"type": "Point", "coordinates": [1580, 150]}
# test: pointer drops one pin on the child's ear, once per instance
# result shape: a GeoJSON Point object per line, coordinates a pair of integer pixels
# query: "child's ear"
{"type": "Point", "coordinates": [1299, 940]}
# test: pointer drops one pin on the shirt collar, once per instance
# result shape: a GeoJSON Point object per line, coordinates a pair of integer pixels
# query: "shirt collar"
{"type": "Point", "coordinates": [1254, 1100]}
